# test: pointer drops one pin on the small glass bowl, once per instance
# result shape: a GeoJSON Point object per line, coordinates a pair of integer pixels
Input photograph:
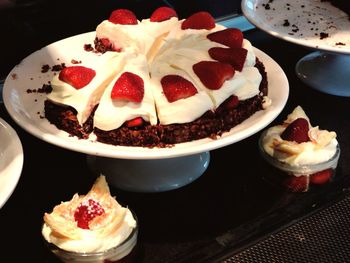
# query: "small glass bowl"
{"type": "Point", "coordinates": [300, 178]}
{"type": "Point", "coordinates": [126, 252]}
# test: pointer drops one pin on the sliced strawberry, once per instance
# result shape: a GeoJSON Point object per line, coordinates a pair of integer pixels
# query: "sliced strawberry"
{"type": "Point", "coordinates": [162, 13]}
{"type": "Point", "coordinates": [87, 211]}
{"type": "Point", "coordinates": [234, 56]}
{"type": "Point", "coordinates": [123, 17]}
{"type": "Point", "coordinates": [213, 74]}
{"type": "Point", "coordinates": [138, 121]}
{"type": "Point", "coordinates": [231, 37]}
{"type": "Point", "coordinates": [200, 20]}
{"type": "Point", "coordinates": [231, 102]}
{"type": "Point", "coordinates": [77, 76]}
{"type": "Point", "coordinates": [321, 177]}
{"type": "Point", "coordinates": [297, 131]}
{"type": "Point", "coordinates": [128, 86]}
{"type": "Point", "coordinates": [297, 183]}
{"type": "Point", "coordinates": [176, 87]}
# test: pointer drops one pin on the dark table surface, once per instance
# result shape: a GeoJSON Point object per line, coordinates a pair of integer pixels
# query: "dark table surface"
{"type": "Point", "coordinates": [229, 206]}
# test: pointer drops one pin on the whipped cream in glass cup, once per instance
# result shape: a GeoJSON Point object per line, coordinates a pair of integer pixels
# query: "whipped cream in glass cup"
{"type": "Point", "coordinates": [300, 165]}
{"type": "Point", "coordinates": [92, 228]}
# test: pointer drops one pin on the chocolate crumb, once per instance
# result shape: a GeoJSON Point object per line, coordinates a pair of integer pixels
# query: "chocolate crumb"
{"type": "Point", "coordinates": [74, 61]}
{"type": "Point", "coordinates": [45, 68]}
{"type": "Point", "coordinates": [340, 44]}
{"type": "Point", "coordinates": [88, 47]}
{"type": "Point", "coordinates": [14, 76]}
{"type": "Point", "coordinates": [286, 22]}
{"type": "Point", "coordinates": [58, 67]}
{"type": "Point", "coordinates": [323, 35]}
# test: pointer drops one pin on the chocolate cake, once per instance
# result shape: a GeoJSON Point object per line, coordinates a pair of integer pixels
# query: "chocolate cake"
{"type": "Point", "coordinates": [175, 81]}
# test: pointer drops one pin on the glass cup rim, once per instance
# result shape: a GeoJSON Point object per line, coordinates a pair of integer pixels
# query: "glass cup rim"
{"type": "Point", "coordinates": [302, 169]}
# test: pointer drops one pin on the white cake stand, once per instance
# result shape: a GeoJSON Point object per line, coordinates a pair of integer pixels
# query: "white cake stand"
{"type": "Point", "coordinates": [129, 168]}
{"type": "Point", "coordinates": [314, 24]}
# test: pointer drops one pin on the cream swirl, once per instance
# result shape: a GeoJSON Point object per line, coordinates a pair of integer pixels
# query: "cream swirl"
{"type": "Point", "coordinates": [105, 231]}
{"type": "Point", "coordinates": [321, 147]}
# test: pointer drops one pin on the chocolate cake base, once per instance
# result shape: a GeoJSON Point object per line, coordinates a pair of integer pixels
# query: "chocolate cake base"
{"type": "Point", "coordinates": [209, 125]}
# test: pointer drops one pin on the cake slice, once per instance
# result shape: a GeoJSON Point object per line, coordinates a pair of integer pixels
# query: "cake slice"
{"type": "Point", "coordinates": [76, 91]}
{"type": "Point", "coordinates": [127, 103]}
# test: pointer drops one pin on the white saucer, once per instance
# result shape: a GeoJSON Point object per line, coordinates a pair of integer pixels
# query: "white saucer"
{"type": "Point", "coordinates": [27, 109]}
{"type": "Point", "coordinates": [11, 161]}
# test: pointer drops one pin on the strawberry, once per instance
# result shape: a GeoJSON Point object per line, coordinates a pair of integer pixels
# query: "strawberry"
{"type": "Point", "coordinates": [297, 131]}
{"type": "Point", "coordinates": [77, 76]}
{"type": "Point", "coordinates": [231, 102]}
{"type": "Point", "coordinates": [297, 183]}
{"type": "Point", "coordinates": [162, 13]}
{"type": "Point", "coordinates": [138, 121]}
{"type": "Point", "coordinates": [87, 211]}
{"type": "Point", "coordinates": [128, 86]}
{"type": "Point", "coordinates": [321, 177]}
{"type": "Point", "coordinates": [234, 56]}
{"type": "Point", "coordinates": [199, 20]}
{"type": "Point", "coordinates": [231, 37]}
{"type": "Point", "coordinates": [176, 87]}
{"type": "Point", "coordinates": [213, 74]}
{"type": "Point", "coordinates": [123, 17]}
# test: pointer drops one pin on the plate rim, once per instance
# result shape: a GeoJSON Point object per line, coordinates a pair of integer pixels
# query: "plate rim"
{"type": "Point", "coordinates": [127, 152]}
{"type": "Point", "coordinates": [16, 164]}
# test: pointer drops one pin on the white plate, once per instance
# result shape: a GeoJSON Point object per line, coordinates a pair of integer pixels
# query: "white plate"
{"type": "Point", "coordinates": [11, 161]}
{"type": "Point", "coordinates": [306, 18]}
{"type": "Point", "coordinates": [27, 109]}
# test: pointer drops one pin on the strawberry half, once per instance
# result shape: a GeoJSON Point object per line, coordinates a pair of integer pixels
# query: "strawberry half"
{"type": "Point", "coordinates": [77, 76]}
{"type": "Point", "coordinates": [128, 86]}
{"type": "Point", "coordinates": [297, 183]}
{"type": "Point", "coordinates": [321, 177]}
{"type": "Point", "coordinates": [123, 17]}
{"type": "Point", "coordinates": [231, 37]}
{"type": "Point", "coordinates": [138, 121]}
{"type": "Point", "coordinates": [176, 87]}
{"type": "Point", "coordinates": [87, 211]}
{"type": "Point", "coordinates": [297, 131]}
{"type": "Point", "coordinates": [162, 13]}
{"type": "Point", "coordinates": [200, 20]}
{"type": "Point", "coordinates": [233, 56]}
{"type": "Point", "coordinates": [213, 74]}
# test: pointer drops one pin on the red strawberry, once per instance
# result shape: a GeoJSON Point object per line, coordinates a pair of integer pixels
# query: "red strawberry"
{"type": "Point", "coordinates": [128, 86]}
{"type": "Point", "coordinates": [297, 131]}
{"type": "Point", "coordinates": [138, 121]}
{"type": "Point", "coordinates": [162, 13]}
{"type": "Point", "coordinates": [123, 17]}
{"type": "Point", "coordinates": [77, 76]}
{"type": "Point", "coordinates": [231, 37]}
{"type": "Point", "coordinates": [321, 177]}
{"type": "Point", "coordinates": [200, 20]}
{"type": "Point", "coordinates": [231, 102]}
{"type": "Point", "coordinates": [87, 211]}
{"type": "Point", "coordinates": [213, 74]}
{"type": "Point", "coordinates": [234, 56]}
{"type": "Point", "coordinates": [297, 183]}
{"type": "Point", "coordinates": [176, 87]}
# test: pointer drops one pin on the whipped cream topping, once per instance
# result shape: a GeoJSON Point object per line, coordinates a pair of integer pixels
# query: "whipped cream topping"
{"type": "Point", "coordinates": [85, 99]}
{"type": "Point", "coordinates": [321, 147]}
{"type": "Point", "coordinates": [126, 37]}
{"type": "Point", "coordinates": [106, 231]}
{"type": "Point", "coordinates": [180, 111]}
{"type": "Point", "coordinates": [111, 114]}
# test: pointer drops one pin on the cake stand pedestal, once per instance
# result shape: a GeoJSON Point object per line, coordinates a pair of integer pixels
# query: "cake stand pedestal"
{"type": "Point", "coordinates": [152, 175]}
{"type": "Point", "coordinates": [326, 72]}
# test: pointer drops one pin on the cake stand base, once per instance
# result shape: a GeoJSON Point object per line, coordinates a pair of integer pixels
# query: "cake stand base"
{"type": "Point", "coordinates": [326, 72]}
{"type": "Point", "coordinates": [155, 175]}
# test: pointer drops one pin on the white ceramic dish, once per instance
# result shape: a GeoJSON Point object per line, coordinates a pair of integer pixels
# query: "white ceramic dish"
{"type": "Point", "coordinates": [27, 109]}
{"type": "Point", "coordinates": [11, 161]}
{"type": "Point", "coordinates": [307, 20]}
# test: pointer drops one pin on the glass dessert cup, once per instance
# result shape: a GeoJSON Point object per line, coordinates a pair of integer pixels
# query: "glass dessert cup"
{"type": "Point", "coordinates": [125, 252]}
{"type": "Point", "coordinates": [301, 178]}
